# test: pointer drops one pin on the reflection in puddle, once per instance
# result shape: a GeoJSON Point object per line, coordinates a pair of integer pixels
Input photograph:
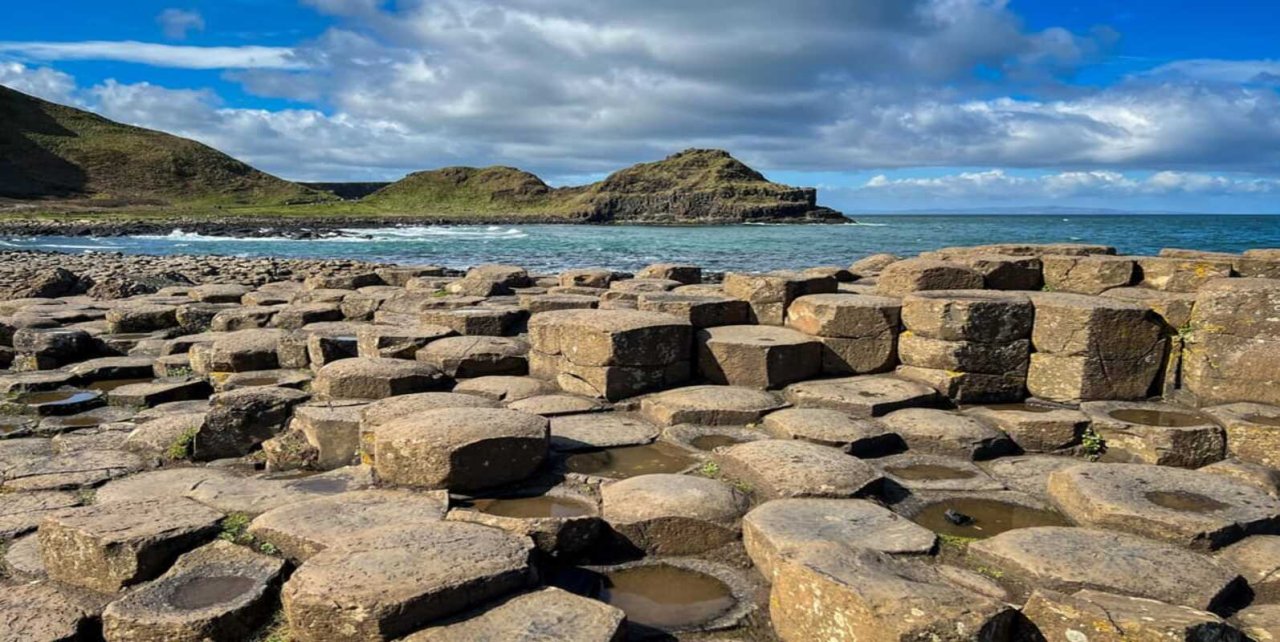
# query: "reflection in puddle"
{"type": "Point", "coordinates": [989, 517]}
{"type": "Point", "coordinates": [202, 592]}
{"type": "Point", "coordinates": [666, 597]}
{"type": "Point", "coordinates": [107, 385]}
{"type": "Point", "coordinates": [928, 472]}
{"type": "Point", "coordinates": [1162, 418]}
{"type": "Point", "coordinates": [1186, 501]}
{"type": "Point", "coordinates": [712, 442]}
{"type": "Point", "coordinates": [630, 461]}
{"type": "Point", "coordinates": [532, 507]}
{"type": "Point", "coordinates": [57, 397]}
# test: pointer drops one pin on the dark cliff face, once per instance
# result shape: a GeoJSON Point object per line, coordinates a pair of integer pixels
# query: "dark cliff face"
{"type": "Point", "coordinates": [701, 185]}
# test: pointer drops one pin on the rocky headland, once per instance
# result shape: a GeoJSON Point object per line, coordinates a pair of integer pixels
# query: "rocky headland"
{"type": "Point", "coordinates": [67, 171]}
{"type": "Point", "coordinates": [997, 443]}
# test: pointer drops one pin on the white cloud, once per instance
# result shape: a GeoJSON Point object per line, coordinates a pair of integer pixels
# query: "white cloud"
{"type": "Point", "coordinates": [176, 23]}
{"type": "Point", "coordinates": [999, 184]}
{"type": "Point", "coordinates": [41, 82]}
{"type": "Point", "coordinates": [1263, 72]}
{"type": "Point", "coordinates": [158, 55]}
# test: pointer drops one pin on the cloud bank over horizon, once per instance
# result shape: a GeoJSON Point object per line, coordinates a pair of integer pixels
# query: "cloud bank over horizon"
{"type": "Point", "coordinates": [890, 104]}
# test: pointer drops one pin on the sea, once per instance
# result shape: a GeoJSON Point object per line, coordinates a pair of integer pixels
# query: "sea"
{"type": "Point", "coordinates": [719, 247]}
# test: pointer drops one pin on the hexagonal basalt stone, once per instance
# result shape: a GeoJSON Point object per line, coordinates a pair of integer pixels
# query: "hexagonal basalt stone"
{"type": "Point", "coordinates": [919, 472]}
{"type": "Point", "coordinates": [1258, 560]}
{"type": "Point", "coordinates": [864, 396]}
{"type": "Point", "coordinates": [969, 316]}
{"type": "Point", "coordinates": [771, 294]}
{"type": "Point", "coordinates": [546, 614]}
{"type": "Point", "coordinates": [494, 321]}
{"type": "Point", "coordinates": [590, 431]}
{"type": "Point", "coordinates": [106, 547]}
{"type": "Point", "coordinates": [504, 388]}
{"type": "Point", "coordinates": [775, 468]}
{"type": "Point", "coordinates": [1232, 351]}
{"type": "Point", "coordinates": [44, 612]}
{"type": "Point", "coordinates": [760, 357]}
{"type": "Point", "coordinates": [395, 580]}
{"type": "Point", "coordinates": [461, 448]}
{"type": "Point", "coordinates": [160, 391]}
{"type": "Point", "coordinates": [238, 351]}
{"type": "Point", "coordinates": [941, 432]}
{"type": "Point", "coordinates": [1112, 617]}
{"type": "Point", "coordinates": [218, 293]}
{"type": "Point", "coordinates": [68, 470]}
{"type": "Point", "coordinates": [394, 342]}
{"type": "Point", "coordinates": [1035, 429]}
{"type": "Point", "coordinates": [836, 593]}
{"type": "Point", "coordinates": [860, 437]}
{"type": "Point", "coordinates": [784, 527]}
{"type": "Point", "coordinates": [1087, 274]}
{"type": "Point", "coordinates": [701, 311]}
{"type": "Point", "coordinates": [845, 315]}
{"type": "Point", "coordinates": [710, 405]}
{"type": "Point", "coordinates": [1156, 433]}
{"type": "Point", "coordinates": [673, 514]}
{"type": "Point", "coordinates": [466, 357]}
{"type": "Point", "coordinates": [376, 378]}
{"type": "Point", "coordinates": [239, 420]}
{"type": "Point", "coordinates": [1093, 348]}
{"type": "Point", "coordinates": [220, 592]}
{"type": "Point", "coordinates": [1253, 431]}
{"type": "Point", "coordinates": [22, 512]}
{"type": "Point", "coordinates": [611, 337]}
{"type": "Point", "coordinates": [1192, 508]}
{"type": "Point", "coordinates": [912, 275]}
{"type": "Point", "coordinates": [1069, 559]}
{"type": "Point", "coordinates": [306, 528]}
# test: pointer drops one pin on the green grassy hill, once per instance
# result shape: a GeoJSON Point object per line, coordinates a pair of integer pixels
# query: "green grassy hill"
{"type": "Point", "coordinates": [51, 151]}
{"type": "Point", "coordinates": [696, 185]}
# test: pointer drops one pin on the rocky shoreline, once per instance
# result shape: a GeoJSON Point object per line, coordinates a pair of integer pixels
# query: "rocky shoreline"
{"type": "Point", "coordinates": [999, 443]}
{"type": "Point", "coordinates": [319, 227]}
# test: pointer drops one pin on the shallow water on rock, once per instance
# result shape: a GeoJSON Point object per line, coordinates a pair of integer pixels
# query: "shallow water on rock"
{"type": "Point", "coordinates": [107, 385]}
{"type": "Point", "coordinates": [11, 424]}
{"type": "Point", "coordinates": [203, 592]}
{"type": "Point", "coordinates": [630, 461]}
{"type": "Point", "coordinates": [712, 442]}
{"type": "Point", "coordinates": [1185, 501]}
{"type": "Point", "coordinates": [1265, 420]}
{"type": "Point", "coordinates": [666, 597]}
{"type": "Point", "coordinates": [928, 472]}
{"type": "Point", "coordinates": [57, 397]}
{"type": "Point", "coordinates": [1162, 418]}
{"type": "Point", "coordinates": [532, 507]}
{"type": "Point", "coordinates": [1016, 407]}
{"type": "Point", "coordinates": [990, 517]}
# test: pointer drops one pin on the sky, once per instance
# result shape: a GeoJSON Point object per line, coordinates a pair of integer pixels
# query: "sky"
{"type": "Point", "coordinates": [884, 105]}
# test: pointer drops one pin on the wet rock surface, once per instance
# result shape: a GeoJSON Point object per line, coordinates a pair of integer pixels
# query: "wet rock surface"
{"type": "Point", "coordinates": [907, 448]}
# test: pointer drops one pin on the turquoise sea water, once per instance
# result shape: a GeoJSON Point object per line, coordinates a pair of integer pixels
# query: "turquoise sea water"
{"type": "Point", "coordinates": [732, 247]}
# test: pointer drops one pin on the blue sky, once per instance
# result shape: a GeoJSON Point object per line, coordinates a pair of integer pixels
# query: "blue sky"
{"type": "Point", "coordinates": [883, 104]}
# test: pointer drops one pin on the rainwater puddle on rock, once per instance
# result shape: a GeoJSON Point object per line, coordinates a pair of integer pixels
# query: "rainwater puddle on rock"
{"type": "Point", "coordinates": [81, 421]}
{"type": "Point", "coordinates": [57, 397]}
{"type": "Point", "coordinates": [11, 424]}
{"type": "Point", "coordinates": [928, 472]}
{"type": "Point", "coordinates": [666, 597]}
{"type": "Point", "coordinates": [532, 507]}
{"type": "Point", "coordinates": [990, 517]}
{"type": "Point", "coordinates": [630, 461]}
{"type": "Point", "coordinates": [1185, 501]}
{"type": "Point", "coordinates": [712, 442]}
{"type": "Point", "coordinates": [111, 384]}
{"type": "Point", "coordinates": [203, 592]}
{"type": "Point", "coordinates": [1162, 418]}
{"type": "Point", "coordinates": [1016, 407]}
{"type": "Point", "coordinates": [1264, 420]}
{"type": "Point", "coordinates": [321, 485]}
{"type": "Point", "coordinates": [129, 336]}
